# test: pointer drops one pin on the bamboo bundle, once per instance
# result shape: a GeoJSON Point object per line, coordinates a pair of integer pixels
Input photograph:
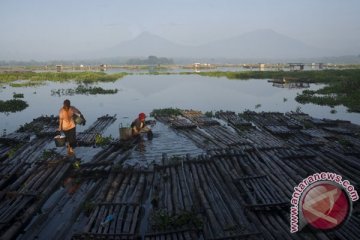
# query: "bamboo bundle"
{"type": "Point", "coordinates": [101, 124]}
{"type": "Point", "coordinates": [223, 135]}
{"type": "Point", "coordinates": [15, 137]}
{"type": "Point", "coordinates": [262, 140]}
{"type": "Point", "coordinates": [233, 119]}
{"type": "Point", "coordinates": [45, 191]}
{"type": "Point", "coordinates": [202, 140]}
{"type": "Point", "coordinates": [183, 234]}
{"type": "Point", "coordinates": [279, 130]}
{"type": "Point", "coordinates": [181, 124]}
{"type": "Point", "coordinates": [87, 138]}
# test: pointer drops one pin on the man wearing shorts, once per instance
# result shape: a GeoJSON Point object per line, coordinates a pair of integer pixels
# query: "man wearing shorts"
{"type": "Point", "coordinates": [68, 126]}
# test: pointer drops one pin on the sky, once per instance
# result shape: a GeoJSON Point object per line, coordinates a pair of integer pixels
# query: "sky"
{"type": "Point", "coordinates": [47, 29]}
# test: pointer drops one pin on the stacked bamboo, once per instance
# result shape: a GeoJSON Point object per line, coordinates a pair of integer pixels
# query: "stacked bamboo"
{"type": "Point", "coordinates": [15, 137]}
{"type": "Point", "coordinates": [21, 161]}
{"type": "Point", "coordinates": [20, 200]}
{"type": "Point", "coordinates": [241, 188]}
{"type": "Point", "coordinates": [101, 123]}
{"type": "Point", "coordinates": [233, 119]}
{"type": "Point", "coordinates": [42, 126]}
{"type": "Point", "coordinates": [117, 212]}
{"type": "Point", "coordinates": [88, 137]}
{"type": "Point", "coordinates": [199, 118]}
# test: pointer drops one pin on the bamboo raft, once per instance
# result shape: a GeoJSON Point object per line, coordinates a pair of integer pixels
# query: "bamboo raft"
{"type": "Point", "coordinates": [88, 137]}
{"type": "Point", "coordinates": [238, 188]}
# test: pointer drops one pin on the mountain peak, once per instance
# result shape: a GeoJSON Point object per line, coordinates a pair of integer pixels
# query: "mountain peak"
{"type": "Point", "coordinates": [262, 43]}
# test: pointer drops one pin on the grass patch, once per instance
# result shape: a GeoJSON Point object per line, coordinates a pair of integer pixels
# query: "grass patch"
{"type": "Point", "coordinates": [37, 78]}
{"type": "Point", "coordinates": [343, 85]}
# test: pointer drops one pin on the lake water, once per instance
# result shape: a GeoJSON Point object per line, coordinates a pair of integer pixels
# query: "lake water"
{"type": "Point", "coordinates": [143, 93]}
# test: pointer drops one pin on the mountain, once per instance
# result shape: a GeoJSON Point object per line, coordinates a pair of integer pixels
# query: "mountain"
{"type": "Point", "coordinates": [144, 45]}
{"type": "Point", "coordinates": [262, 44]}
{"type": "Point", "coordinates": [259, 44]}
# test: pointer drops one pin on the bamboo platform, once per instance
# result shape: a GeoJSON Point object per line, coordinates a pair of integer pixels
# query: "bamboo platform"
{"type": "Point", "coordinates": [238, 187]}
{"type": "Point", "coordinates": [88, 137]}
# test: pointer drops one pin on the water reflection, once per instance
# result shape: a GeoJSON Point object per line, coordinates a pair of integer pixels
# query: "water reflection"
{"type": "Point", "coordinates": [143, 93]}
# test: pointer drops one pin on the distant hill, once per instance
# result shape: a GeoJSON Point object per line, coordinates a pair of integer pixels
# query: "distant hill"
{"type": "Point", "coordinates": [146, 44]}
{"type": "Point", "coordinates": [256, 44]}
{"type": "Point", "coordinates": [262, 44]}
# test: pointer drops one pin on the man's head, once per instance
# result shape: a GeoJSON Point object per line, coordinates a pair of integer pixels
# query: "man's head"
{"type": "Point", "coordinates": [142, 116]}
{"type": "Point", "coordinates": [67, 104]}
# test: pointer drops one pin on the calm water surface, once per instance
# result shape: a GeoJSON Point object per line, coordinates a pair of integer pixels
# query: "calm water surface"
{"type": "Point", "coordinates": [143, 93]}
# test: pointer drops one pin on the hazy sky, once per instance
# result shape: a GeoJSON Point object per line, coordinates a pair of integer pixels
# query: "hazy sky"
{"type": "Point", "coordinates": [45, 29]}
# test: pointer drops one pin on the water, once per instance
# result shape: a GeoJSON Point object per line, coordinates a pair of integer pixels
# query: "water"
{"type": "Point", "coordinates": [143, 93]}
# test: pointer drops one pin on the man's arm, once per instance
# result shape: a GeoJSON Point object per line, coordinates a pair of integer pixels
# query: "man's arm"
{"type": "Point", "coordinates": [75, 110]}
{"type": "Point", "coordinates": [134, 130]}
{"type": "Point", "coordinates": [60, 121]}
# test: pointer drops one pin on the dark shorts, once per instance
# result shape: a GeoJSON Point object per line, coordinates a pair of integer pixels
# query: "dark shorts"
{"type": "Point", "coordinates": [71, 137]}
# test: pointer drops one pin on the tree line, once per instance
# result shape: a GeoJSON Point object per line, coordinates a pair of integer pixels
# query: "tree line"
{"type": "Point", "coordinates": [151, 60]}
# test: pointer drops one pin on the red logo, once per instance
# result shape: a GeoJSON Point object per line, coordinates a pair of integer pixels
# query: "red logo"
{"type": "Point", "coordinates": [325, 206]}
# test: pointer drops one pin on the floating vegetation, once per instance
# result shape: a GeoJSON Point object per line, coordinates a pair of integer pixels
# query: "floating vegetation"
{"type": "Point", "coordinates": [13, 150]}
{"type": "Point", "coordinates": [18, 95]}
{"type": "Point", "coordinates": [161, 220]}
{"type": "Point", "coordinates": [38, 78]}
{"type": "Point", "coordinates": [82, 89]}
{"type": "Point", "coordinates": [26, 84]}
{"type": "Point", "coordinates": [102, 141]}
{"type": "Point", "coordinates": [49, 153]}
{"type": "Point", "coordinates": [345, 143]}
{"type": "Point", "coordinates": [285, 100]}
{"type": "Point", "coordinates": [88, 207]}
{"type": "Point", "coordinates": [209, 114]}
{"type": "Point", "coordinates": [165, 112]}
{"type": "Point", "coordinates": [343, 85]}
{"type": "Point", "coordinates": [13, 105]}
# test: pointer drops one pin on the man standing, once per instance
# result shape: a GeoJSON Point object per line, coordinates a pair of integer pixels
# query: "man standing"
{"type": "Point", "coordinates": [68, 126]}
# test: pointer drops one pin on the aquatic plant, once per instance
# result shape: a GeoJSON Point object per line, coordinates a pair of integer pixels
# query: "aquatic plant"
{"type": "Point", "coordinates": [18, 95]}
{"type": "Point", "coordinates": [13, 105]}
{"type": "Point", "coordinates": [162, 220]}
{"type": "Point", "coordinates": [49, 153]}
{"type": "Point", "coordinates": [166, 112]}
{"type": "Point", "coordinates": [26, 84]}
{"type": "Point", "coordinates": [82, 89]}
{"type": "Point", "coordinates": [13, 150]}
{"type": "Point", "coordinates": [37, 78]}
{"type": "Point", "coordinates": [333, 111]}
{"type": "Point", "coordinates": [101, 141]}
{"type": "Point", "coordinates": [209, 114]}
{"type": "Point", "coordinates": [88, 207]}
{"type": "Point", "coordinates": [343, 85]}
{"type": "Point", "coordinates": [345, 143]}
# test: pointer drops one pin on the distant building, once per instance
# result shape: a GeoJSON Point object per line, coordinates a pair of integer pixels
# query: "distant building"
{"type": "Point", "coordinates": [103, 67]}
{"type": "Point", "coordinates": [296, 66]}
{"type": "Point", "coordinates": [261, 66]}
{"type": "Point", "coordinates": [59, 68]}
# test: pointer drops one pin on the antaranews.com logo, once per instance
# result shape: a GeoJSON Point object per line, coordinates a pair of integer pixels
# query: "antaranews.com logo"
{"type": "Point", "coordinates": [323, 201]}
